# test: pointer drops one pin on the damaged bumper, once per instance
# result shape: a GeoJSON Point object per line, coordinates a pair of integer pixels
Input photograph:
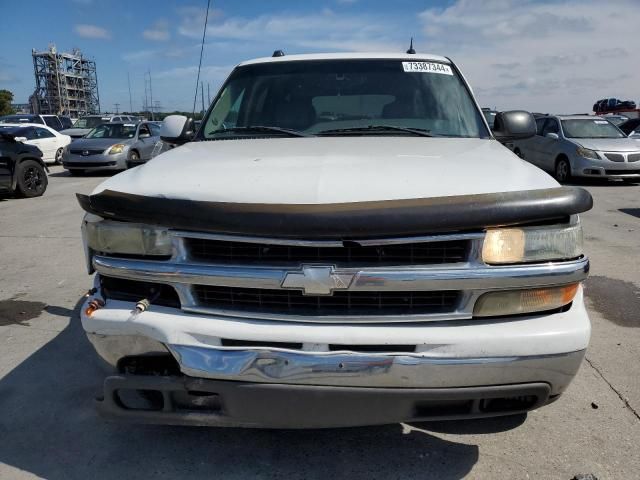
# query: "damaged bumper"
{"type": "Point", "coordinates": [462, 370]}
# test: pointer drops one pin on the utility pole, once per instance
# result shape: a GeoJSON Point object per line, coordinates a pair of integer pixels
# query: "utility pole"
{"type": "Point", "coordinates": [202, 95]}
{"type": "Point", "coordinates": [117, 105]}
{"type": "Point", "coordinates": [151, 95]}
{"type": "Point", "coordinates": [209, 93]}
{"type": "Point", "coordinates": [158, 106]}
{"type": "Point", "coordinates": [130, 102]}
{"type": "Point", "coordinates": [146, 102]}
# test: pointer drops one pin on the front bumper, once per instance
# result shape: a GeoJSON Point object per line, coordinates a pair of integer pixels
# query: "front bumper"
{"type": "Point", "coordinates": [585, 167]}
{"type": "Point", "coordinates": [197, 402]}
{"type": "Point", "coordinates": [95, 162]}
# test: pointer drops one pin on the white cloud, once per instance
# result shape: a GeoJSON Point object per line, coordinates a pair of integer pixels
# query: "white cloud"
{"type": "Point", "coordinates": [159, 32]}
{"type": "Point", "coordinates": [91, 31]}
{"type": "Point", "coordinates": [542, 56]}
{"type": "Point", "coordinates": [315, 31]}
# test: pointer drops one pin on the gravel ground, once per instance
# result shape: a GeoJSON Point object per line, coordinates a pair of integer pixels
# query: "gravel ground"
{"type": "Point", "coordinates": [48, 376]}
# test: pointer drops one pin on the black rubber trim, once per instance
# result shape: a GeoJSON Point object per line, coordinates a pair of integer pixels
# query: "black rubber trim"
{"type": "Point", "coordinates": [344, 220]}
{"type": "Point", "coordinates": [268, 405]}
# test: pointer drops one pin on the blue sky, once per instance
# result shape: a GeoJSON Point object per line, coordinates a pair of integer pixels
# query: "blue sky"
{"type": "Point", "coordinates": [540, 55]}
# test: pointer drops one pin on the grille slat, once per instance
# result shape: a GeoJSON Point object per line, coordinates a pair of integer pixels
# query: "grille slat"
{"type": "Point", "coordinates": [426, 253]}
{"type": "Point", "coordinates": [293, 302]}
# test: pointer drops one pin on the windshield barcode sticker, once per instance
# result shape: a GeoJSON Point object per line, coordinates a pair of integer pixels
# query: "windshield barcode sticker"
{"type": "Point", "coordinates": [429, 67]}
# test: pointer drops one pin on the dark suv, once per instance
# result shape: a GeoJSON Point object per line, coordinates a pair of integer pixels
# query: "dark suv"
{"type": "Point", "coordinates": [21, 168]}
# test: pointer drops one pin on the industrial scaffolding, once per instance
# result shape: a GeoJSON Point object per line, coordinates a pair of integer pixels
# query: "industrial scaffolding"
{"type": "Point", "coordinates": [66, 83]}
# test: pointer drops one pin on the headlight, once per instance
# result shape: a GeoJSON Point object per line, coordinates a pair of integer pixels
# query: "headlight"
{"type": "Point", "coordinates": [117, 148]}
{"type": "Point", "coordinates": [532, 244]}
{"type": "Point", "coordinates": [587, 153]}
{"type": "Point", "coordinates": [513, 302]}
{"type": "Point", "coordinates": [127, 238]}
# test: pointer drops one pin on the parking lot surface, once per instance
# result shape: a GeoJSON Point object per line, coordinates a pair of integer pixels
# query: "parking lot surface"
{"type": "Point", "coordinates": [49, 375]}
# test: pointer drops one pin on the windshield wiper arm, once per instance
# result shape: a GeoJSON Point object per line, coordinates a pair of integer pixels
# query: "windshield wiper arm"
{"type": "Point", "coordinates": [373, 128]}
{"type": "Point", "coordinates": [262, 128]}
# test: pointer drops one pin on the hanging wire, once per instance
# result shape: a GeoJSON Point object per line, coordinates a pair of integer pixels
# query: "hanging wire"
{"type": "Point", "coordinates": [204, 34]}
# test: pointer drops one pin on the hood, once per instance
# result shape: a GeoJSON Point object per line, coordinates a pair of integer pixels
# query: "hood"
{"type": "Point", "coordinates": [75, 132]}
{"type": "Point", "coordinates": [319, 170]}
{"type": "Point", "coordinates": [608, 144]}
{"type": "Point", "coordinates": [98, 143]}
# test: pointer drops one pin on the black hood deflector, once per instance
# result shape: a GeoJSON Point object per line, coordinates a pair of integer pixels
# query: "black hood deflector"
{"type": "Point", "coordinates": [375, 219]}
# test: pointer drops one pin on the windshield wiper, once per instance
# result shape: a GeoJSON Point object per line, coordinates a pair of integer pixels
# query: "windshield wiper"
{"type": "Point", "coordinates": [378, 128]}
{"type": "Point", "coordinates": [261, 128]}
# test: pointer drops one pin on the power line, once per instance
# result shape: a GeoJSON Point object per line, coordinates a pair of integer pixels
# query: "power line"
{"type": "Point", "coordinates": [204, 34]}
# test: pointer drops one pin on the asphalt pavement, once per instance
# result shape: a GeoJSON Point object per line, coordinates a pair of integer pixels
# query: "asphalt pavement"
{"type": "Point", "coordinates": [49, 375]}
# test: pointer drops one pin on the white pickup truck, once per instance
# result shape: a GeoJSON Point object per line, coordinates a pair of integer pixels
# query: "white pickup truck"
{"type": "Point", "coordinates": [343, 242]}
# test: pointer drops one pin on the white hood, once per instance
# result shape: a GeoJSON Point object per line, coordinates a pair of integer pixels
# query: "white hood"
{"type": "Point", "coordinates": [318, 170]}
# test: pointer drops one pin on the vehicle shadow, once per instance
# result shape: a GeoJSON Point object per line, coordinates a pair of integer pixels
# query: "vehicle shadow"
{"type": "Point", "coordinates": [598, 182]}
{"type": "Point", "coordinates": [50, 429]}
{"type": "Point", "coordinates": [93, 173]}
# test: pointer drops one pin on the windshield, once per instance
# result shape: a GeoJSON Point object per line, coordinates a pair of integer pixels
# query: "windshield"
{"type": "Point", "coordinates": [113, 130]}
{"type": "Point", "coordinates": [89, 122]}
{"type": "Point", "coordinates": [330, 96]}
{"type": "Point", "coordinates": [587, 128]}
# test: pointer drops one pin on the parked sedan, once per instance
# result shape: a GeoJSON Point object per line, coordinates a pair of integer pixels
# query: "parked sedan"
{"type": "Point", "coordinates": [112, 146]}
{"type": "Point", "coordinates": [581, 146]}
{"type": "Point", "coordinates": [49, 141]}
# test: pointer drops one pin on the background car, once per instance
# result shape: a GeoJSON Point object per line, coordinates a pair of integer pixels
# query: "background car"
{"type": "Point", "coordinates": [22, 170]}
{"type": "Point", "coordinates": [581, 146]}
{"type": "Point", "coordinates": [50, 120]}
{"type": "Point", "coordinates": [50, 142]}
{"type": "Point", "coordinates": [113, 146]}
{"type": "Point", "coordinates": [631, 127]}
{"type": "Point", "coordinates": [85, 124]}
{"type": "Point", "coordinates": [489, 115]}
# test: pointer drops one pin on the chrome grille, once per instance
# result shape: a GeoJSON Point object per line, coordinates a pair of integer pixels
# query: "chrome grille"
{"type": "Point", "coordinates": [293, 302]}
{"type": "Point", "coordinates": [350, 253]}
{"type": "Point", "coordinates": [91, 152]}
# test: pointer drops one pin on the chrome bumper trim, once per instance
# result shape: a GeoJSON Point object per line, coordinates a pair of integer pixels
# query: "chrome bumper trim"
{"type": "Point", "coordinates": [374, 370]}
{"type": "Point", "coordinates": [450, 277]}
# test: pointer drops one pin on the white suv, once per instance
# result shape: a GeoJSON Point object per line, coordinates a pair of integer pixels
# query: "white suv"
{"type": "Point", "coordinates": [344, 242]}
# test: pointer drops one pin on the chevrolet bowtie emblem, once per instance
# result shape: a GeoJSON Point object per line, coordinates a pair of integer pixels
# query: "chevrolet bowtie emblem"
{"type": "Point", "coordinates": [317, 280]}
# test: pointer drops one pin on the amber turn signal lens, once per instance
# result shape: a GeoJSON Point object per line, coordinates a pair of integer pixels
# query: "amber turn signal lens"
{"type": "Point", "coordinates": [514, 302]}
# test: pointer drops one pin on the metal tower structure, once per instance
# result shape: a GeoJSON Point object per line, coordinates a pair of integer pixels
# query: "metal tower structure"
{"type": "Point", "coordinates": [66, 83]}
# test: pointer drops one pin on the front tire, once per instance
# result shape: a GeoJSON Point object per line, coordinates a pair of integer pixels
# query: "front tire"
{"type": "Point", "coordinates": [563, 170]}
{"type": "Point", "coordinates": [133, 159]}
{"type": "Point", "coordinates": [32, 179]}
{"type": "Point", "coordinates": [58, 157]}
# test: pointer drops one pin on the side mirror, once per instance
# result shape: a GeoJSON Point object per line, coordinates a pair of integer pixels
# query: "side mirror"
{"type": "Point", "coordinates": [514, 125]}
{"type": "Point", "coordinates": [552, 135]}
{"type": "Point", "coordinates": [177, 129]}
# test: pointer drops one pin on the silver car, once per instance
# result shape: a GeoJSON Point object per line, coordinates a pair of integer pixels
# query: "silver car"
{"type": "Point", "coordinates": [87, 123]}
{"type": "Point", "coordinates": [581, 146]}
{"type": "Point", "coordinates": [112, 146]}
